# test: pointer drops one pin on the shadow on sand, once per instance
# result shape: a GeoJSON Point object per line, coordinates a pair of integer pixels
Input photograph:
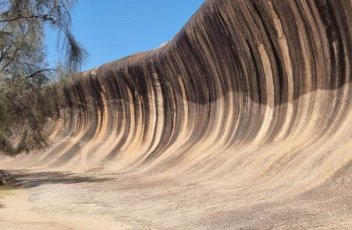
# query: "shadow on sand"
{"type": "Point", "coordinates": [25, 179]}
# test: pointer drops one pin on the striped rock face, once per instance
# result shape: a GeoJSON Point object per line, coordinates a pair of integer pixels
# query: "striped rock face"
{"type": "Point", "coordinates": [245, 118]}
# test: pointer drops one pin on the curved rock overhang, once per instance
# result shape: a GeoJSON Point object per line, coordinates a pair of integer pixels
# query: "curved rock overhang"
{"type": "Point", "coordinates": [253, 90]}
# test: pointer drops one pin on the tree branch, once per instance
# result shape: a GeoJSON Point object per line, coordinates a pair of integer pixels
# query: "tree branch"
{"type": "Point", "coordinates": [44, 17]}
{"type": "Point", "coordinates": [38, 72]}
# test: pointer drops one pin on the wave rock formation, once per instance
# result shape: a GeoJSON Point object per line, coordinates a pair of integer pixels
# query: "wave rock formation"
{"type": "Point", "coordinates": [248, 108]}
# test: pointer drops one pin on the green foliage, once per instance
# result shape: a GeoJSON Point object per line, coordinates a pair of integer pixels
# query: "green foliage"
{"type": "Point", "coordinates": [27, 14]}
{"type": "Point", "coordinates": [23, 73]}
{"type": "Point", "coordinates": [21, 116]}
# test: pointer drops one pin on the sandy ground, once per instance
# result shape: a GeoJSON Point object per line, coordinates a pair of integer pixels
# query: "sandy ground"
{"type": "Point", "coordinates": [58, 200]}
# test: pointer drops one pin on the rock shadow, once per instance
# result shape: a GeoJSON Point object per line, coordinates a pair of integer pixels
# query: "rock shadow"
{"type": "Point", "coordinates": [24, 179]}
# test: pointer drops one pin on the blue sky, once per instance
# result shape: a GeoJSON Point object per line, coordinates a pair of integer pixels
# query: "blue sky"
{"type": "Point", "coordinates": [112, 29]}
